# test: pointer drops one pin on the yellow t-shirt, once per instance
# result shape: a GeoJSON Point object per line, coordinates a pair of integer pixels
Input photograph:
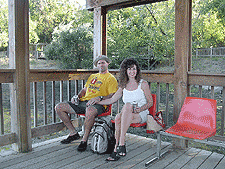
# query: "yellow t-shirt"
{"type": "Point", "coordinates": [100, 85]}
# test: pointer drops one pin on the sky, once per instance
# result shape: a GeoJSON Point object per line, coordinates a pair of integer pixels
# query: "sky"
{"type": "Point", "coordinates": [81, 2]}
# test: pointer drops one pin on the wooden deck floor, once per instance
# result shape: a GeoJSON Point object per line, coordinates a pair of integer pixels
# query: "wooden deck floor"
{"type": "Point", "coordinates": [52, 154]}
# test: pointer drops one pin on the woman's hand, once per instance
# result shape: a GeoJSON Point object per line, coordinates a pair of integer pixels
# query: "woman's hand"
{"type": "Point", "coordinates": [137, 110]}
{"type": "Point", "coordinates": [93, 101]}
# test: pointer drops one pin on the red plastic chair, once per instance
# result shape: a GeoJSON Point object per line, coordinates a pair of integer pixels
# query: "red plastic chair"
{"type": "Point", "coordinates": [152, 111]}
{"type": "Point", "coordinates": [197, 119]}
{"type": "Point", "coordinates": [196, 122]}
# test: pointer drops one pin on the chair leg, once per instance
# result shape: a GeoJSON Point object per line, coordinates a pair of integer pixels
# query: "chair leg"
{"type": "Point", "coordinates": [81, 133]}
{"type": "Point", "coordinates": [158, 153]}
{"type": "Point", "coordinates": [157, 150]}
{"type": "Point", "coordinates": [158, 144]}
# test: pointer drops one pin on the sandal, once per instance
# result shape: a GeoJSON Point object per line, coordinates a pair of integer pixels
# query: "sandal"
{"type": "Point", "coordinates": [121, 150]}
{"type": "Point", "coordinates": [113, 157]}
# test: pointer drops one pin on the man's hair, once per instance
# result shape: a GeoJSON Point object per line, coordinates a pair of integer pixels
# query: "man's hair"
{"type": "Point", "coordinates": [123, 77]}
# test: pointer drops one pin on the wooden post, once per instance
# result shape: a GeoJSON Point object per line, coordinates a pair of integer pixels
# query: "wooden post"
{"type": "Point", "coordinates": [2, 130]}
{"type": "Point", "coordinates": [182, 52]}
{"type": "Point", "coordinates": [104, 31]}
{"type": "Point", "coordinates": [100, 24]}
{"type": "Point", "coordinates": [223, 112]}
{"type": "Point", "coordinates": [97, 33]}
{"type": "Point", "coordinates": [19, 60]}
{"type": "Point", "coordinates": [183, 10]}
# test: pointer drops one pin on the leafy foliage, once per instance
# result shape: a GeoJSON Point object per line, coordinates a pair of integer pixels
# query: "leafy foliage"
{"type": "Point", "coordinates": [208, 29]}
{"type": "Point", "coordinates": [142, 32]}
{"type": "Point", "coordinates": [72, 47]}
{"type": "Point", "coordinates": [3, 26]}
{"type": "Point", "coordinates": [218, 7]}
{"type": "Point", "coordinates": [49, 14]}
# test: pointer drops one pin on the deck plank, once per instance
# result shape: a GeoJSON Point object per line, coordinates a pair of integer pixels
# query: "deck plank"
{"type": "Point", "coordinates": [24, 157]}
{"type": "Point", "coordinates": [35, 148]}
{"type": "Point", "coordinates": [147, 155]}
{"type": "Point", "coordinates": [145, 151]}
{"type": "Point", "coordinates": [82, 162]}
{"type": "Point", "coordinates": [212, 161]}
{"type": "Point", "coordinates": [131, 144]}
{"type": "Point", "coordinates": [32, 162]}
{"type": "Point", "coordinates": [52, 154]}
{"type": "Point", "coordinates": [133, 157]}
{"type": "Point", "coordinates": [130, 158]}
{"type": "Point", "coordinates": [183, 159]}
{"type": "Point", "coordinates": [51, 158]}
{"type": "Point", "coordinates": [167, 159]}
{"type": "Point", "coordinates": [221, 164]}
{"type": "Point", "coordinates": [198, 159]}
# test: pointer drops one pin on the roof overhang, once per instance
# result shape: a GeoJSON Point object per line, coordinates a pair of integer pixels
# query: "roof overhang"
{"type": "Point", "coordinates": [117, 4]}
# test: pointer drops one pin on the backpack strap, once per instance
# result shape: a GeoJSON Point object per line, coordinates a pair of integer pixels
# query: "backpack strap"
{"type": "Point", "coordinates": [159, 119]}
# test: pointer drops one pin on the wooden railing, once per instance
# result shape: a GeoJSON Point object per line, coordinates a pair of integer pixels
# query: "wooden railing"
{"type": "Point", "coordinates": [53, 77]}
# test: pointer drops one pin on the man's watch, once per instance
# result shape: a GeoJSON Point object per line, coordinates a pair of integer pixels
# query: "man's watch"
{"type": "Point", "coordinates": [101, 98]}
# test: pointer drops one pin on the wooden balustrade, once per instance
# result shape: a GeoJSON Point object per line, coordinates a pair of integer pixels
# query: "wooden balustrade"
{"type": "Point", "coordinates": [55, 76]}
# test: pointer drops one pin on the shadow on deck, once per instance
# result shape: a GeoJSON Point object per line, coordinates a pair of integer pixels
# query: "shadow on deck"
{"type": "Point", "coordinates": [52, 154]}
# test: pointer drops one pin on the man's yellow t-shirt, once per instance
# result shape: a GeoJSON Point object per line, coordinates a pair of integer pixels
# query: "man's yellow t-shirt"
{"type": "Point", "coordinates": [100, 85]}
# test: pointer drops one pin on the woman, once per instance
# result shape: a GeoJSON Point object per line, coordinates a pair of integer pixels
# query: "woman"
{"type": "Point", "coordinates": [132, 88]}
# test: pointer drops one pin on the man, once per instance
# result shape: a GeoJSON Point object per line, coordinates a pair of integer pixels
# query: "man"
{"type": "Point", "coordinates": [99, 86]}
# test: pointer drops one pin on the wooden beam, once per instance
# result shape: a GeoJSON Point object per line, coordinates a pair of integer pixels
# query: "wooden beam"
{"type": "Point", "coordinates": [46, 129]}
{"type": "Point", "coordinates": [80, 74]}
{"type": "Point", "coordinates": [58, 75]}
{"type": "Point", "coordinates": [223, 112]}
{"type": "Point", "coordinates": [7, 139]}
{"type": "Point", "coordinates": [20, 90]}
{"type": "Point", "coordinates": [163, 77]}
{"type": "Point", "coordinates": [52, 128]}
{"type": "Point", "coordinates": [206, 79]}
{"type": "Point", "coordinates": [2, 130]}
{"type": "Point", "coordinates": [183, 8]}
{"type": "Point", "coordinates": [104, 31]}
{"type": "Point", "coordinates": [97, 33]}
{"type": "Point", "coordinates": [6, 75]}
{"type": "Point", "coordinates": [117, 4]}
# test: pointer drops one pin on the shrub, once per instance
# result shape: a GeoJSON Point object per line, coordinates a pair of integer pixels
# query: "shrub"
{"type": "Point", "coordinates": [72, 48]}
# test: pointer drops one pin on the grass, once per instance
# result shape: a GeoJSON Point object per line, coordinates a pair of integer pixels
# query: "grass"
{"type": "Point", "coordinates": [34, 64]}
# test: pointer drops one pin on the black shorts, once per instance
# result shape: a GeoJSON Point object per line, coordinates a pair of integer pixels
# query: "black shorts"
{"type": "Point", "coordinates": [81, 107]}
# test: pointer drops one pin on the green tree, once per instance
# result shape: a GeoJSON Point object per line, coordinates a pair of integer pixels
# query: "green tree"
{"type": "Point", "coordinates": [33, 37]}
{"type": "Point", "coordinates": [3, 25]}
{"type": "Point", "coordinates": [207, 28]}
{"type": "Point", "coordinates": [131, 31]}
{"type": "Point", "coordinates": [48, 14]}
{"type": "Point", "coordinates": [72, 47]}
{"type": "Point", "coordinates": [218, 7]}
{"type": "Point", "coordinates": [134, 31]}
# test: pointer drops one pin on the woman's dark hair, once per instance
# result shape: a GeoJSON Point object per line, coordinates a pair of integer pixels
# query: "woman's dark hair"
{"type": "Point", "coordinates": [123, 77]}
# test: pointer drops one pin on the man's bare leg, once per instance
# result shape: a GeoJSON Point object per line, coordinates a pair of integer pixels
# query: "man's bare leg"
{"type": "Point", "coordinates": [91, 113]}
{"type": "Point", "coordinates": [62, 109]}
